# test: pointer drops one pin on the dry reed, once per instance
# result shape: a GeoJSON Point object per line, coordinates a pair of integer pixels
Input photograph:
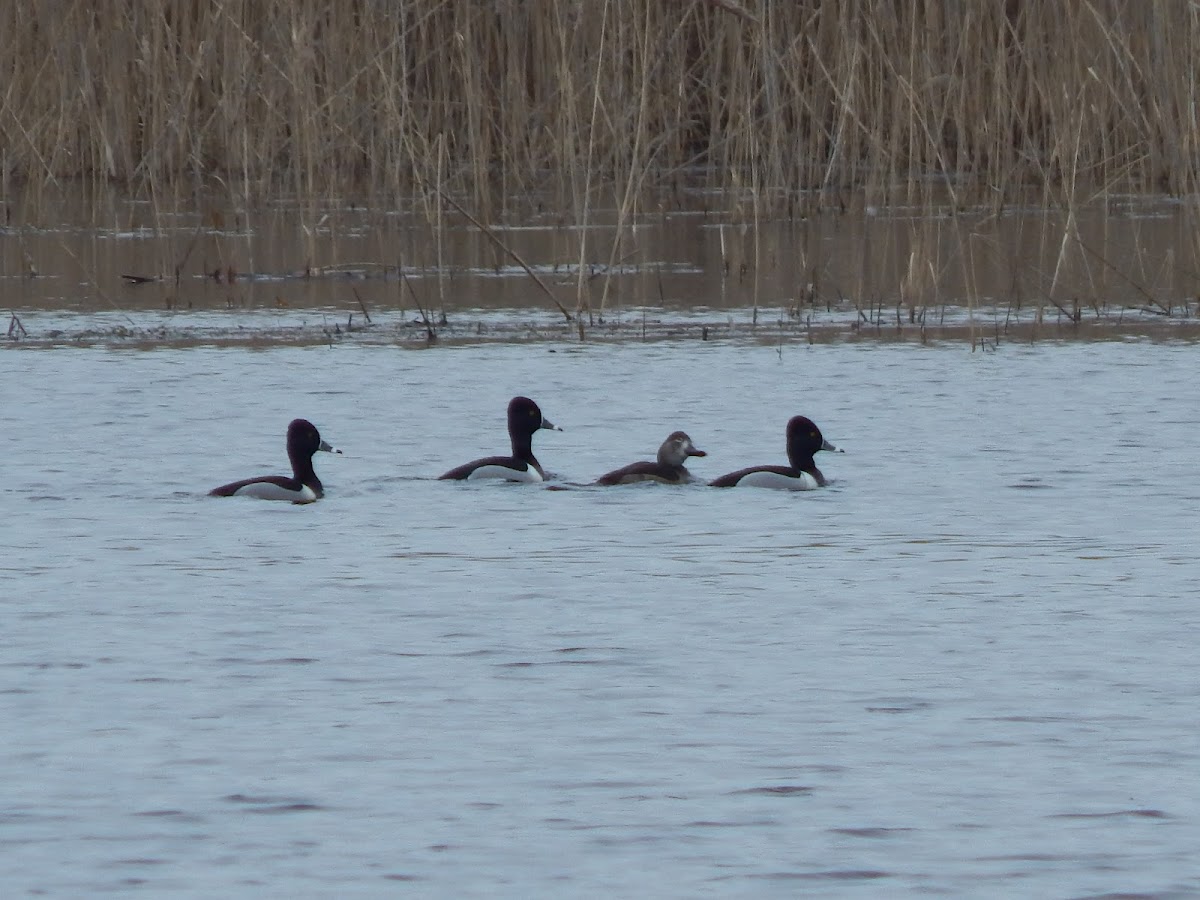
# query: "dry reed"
{"type": "Point", "coordinates": [593, 102]}
{"type": "Point", "coordinates": [605, 109]}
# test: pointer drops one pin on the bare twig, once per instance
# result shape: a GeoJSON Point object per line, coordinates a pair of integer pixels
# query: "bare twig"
{"type": "Point", "coordinates": [491, 235]}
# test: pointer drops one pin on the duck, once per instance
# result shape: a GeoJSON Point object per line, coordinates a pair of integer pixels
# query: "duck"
{"type": "Point", "coordinates": [524, 418]}
{"type": "Point", "coordinates": [303, 440]}
{"type": "Point", "coordinates": [804, 439]}
{"type": "Point", "coordinates": [669, 468]}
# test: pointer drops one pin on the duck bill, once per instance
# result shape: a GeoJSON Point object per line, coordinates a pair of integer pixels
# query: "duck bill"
{"type": "Point", "coordinates": [548, 425]}
{"type": "Point", "coordinates": [327, 448]}
{"type": "Point", "coordinates": [696, 452]}
{"type": "Point", "coordinates": [825, 445]}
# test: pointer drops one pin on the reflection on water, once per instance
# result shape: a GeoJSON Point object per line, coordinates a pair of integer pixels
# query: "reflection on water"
{"type": "Point", "coordinates": [923, 679]}
{"type": "Point", "coordinates": [122, 272]}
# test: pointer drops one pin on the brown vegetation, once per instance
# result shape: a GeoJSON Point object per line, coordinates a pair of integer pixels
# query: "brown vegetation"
{"type": "Point", "coordinates": [582, 101]}
{"type": "Point", "coordinates": [980, 147]}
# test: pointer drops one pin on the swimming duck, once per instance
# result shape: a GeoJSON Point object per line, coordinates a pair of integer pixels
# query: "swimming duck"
{"type": "Point", "coordinates": [804, 439]}
{"type": "Point", "coordinates": [669, 469]}
{"type": "Point", "coordinates": [303, 440]}
{"type": "Point", "coordinates": [524, 418]}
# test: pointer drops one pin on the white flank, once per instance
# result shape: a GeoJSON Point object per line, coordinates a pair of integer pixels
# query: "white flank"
{"type": "Point", "coordinates": [804, 482]}
{"type": "Point", "coordinates": [265, 490]}
{"type": "Point", "coordinates": [529, 476]}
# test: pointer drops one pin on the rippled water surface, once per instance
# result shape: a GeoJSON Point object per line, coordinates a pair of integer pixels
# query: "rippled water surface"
{"type": "Point", "coordinates": [967, 668]}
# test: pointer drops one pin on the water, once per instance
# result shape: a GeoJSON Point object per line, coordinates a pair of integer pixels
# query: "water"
{"type": "Point", "coordinates": [339, 271]}
{"type": "Point", "coordinates": [967, 668]}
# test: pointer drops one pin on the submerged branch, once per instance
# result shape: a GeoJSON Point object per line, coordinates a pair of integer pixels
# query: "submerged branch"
{"type": "Point", "coordinates": [491, 235]}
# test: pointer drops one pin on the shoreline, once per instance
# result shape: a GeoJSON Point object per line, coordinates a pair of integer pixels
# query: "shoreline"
{"type": "Point", "coordinates": [989, 330]}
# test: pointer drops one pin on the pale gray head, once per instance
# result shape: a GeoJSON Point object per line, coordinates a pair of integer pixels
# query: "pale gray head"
{"type": "Point", "coordinates": [676, 449]}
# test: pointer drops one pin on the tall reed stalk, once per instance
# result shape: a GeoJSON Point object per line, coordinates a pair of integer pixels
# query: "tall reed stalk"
{"type": "Point", "coordinates": [806, 99]}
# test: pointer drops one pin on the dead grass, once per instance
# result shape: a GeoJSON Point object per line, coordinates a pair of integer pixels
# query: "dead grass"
{"type": "Point", "coordinates": [620, 109]}
{"type": "Point", "coordinates": [591, 102]}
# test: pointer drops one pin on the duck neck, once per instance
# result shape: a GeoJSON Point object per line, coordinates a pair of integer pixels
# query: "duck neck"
{"type": "Point", "coordinates": [807, 465]}
{"type": "Point", "coordinates": [522, 447]}
{"type": "Point", "coordinates": [671, 459]}
{"type": "Point", "coordinates": [302, 469]}
{"type": "Point", "coordinates": [803, 462]}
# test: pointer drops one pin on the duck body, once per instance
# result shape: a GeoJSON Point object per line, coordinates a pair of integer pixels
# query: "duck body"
{"type": "Point", "coordinates": [303, 440]}
{"type": "Point", "coordinates": [668, 468]}
{"type": "Point", "coordinates": [505, 468]}
{"type": "Point", "coordinates": [273, 487]}
{"type": "Point", "coordinates": [804, 440]}
{"type": "Point", "coordinates": [524, 418]}
{"type": "Point", "coordinates": [783, 478]}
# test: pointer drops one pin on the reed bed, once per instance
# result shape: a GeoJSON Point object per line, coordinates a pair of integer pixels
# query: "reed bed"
{"type": "Point", "coordinates": [940, 113]}
{"type": "Point", "coordinates": [786, 105]}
